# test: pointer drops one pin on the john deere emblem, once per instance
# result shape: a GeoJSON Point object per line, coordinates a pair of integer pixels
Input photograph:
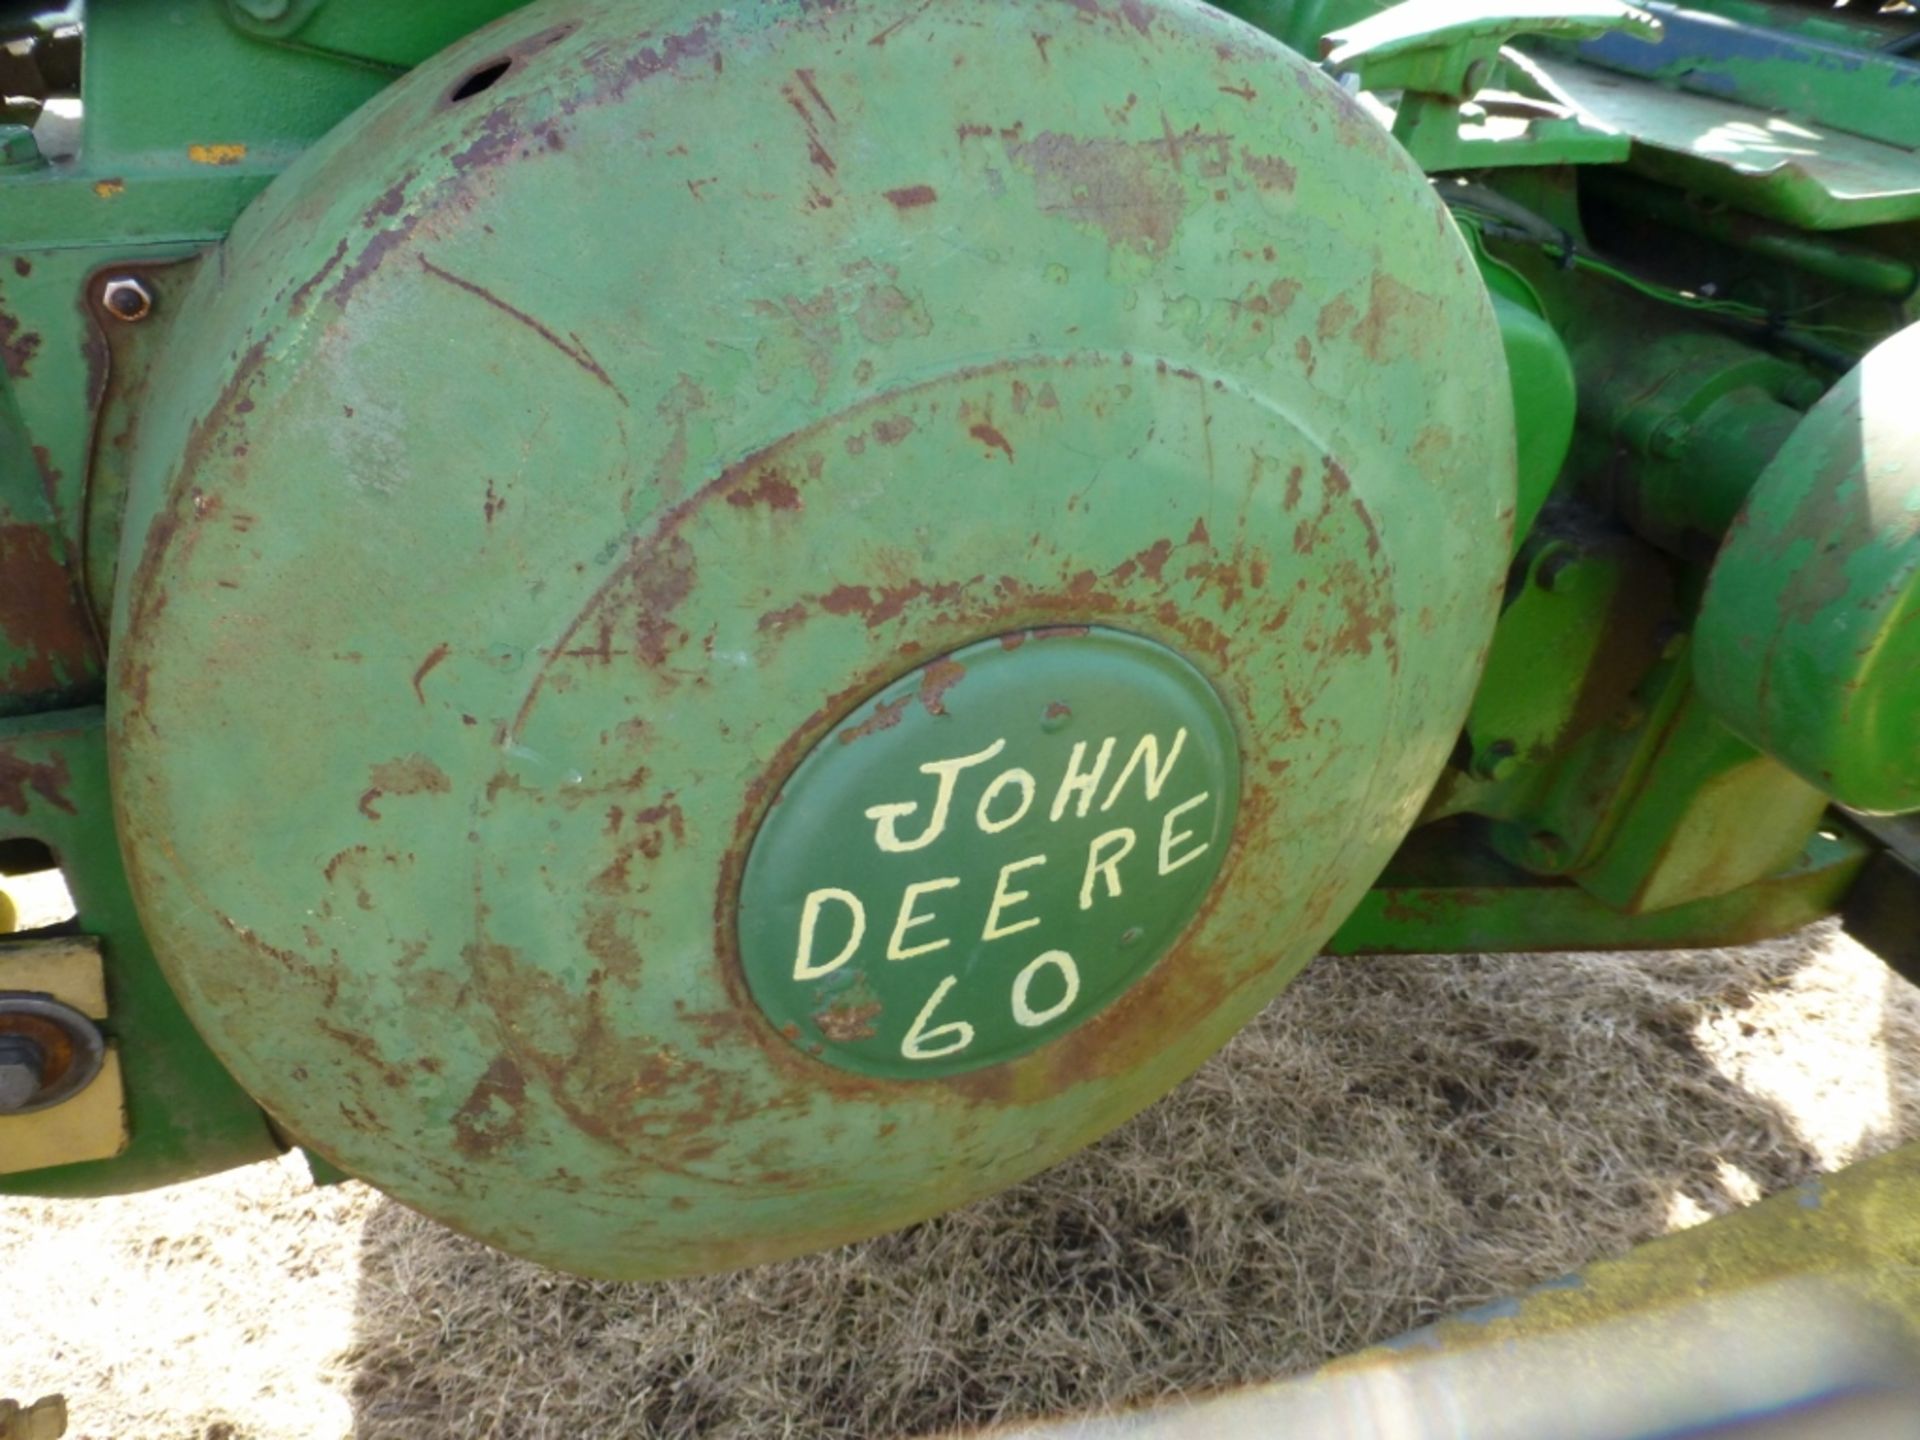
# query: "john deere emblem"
{"type": "Point", "coordinates": [989, 852]}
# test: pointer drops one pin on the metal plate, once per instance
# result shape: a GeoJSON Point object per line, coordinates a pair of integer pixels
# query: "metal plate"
{"type": "Point", "coordinates": [989, 852]}
{"type": "Point", "coordinates": [1809, 631]}
{"type": "Point", "coordinates": [542, 474]}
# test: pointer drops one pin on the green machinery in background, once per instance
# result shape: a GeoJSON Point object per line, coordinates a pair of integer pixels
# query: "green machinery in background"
{"type": "Point", "coordinates": [682, 635]}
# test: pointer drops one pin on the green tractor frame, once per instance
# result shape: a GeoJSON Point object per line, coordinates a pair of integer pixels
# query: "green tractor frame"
{"type": "Point", "coordinates": [680, 635]}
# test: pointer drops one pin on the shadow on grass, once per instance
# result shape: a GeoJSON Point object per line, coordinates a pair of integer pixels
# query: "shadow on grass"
{"type": "Point", "coordinates": [1392, 1140]}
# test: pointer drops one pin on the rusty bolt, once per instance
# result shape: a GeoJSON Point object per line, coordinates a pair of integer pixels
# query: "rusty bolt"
{"type": "Point", "coordinates": [22, 1065]}
{"type": "Point", "coordinates": [126, 297]}
{"type": "Point", "coordinates": [1556, 562]}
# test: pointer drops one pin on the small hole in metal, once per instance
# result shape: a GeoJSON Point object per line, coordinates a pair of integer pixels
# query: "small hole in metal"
{"type": "Point", "coordinates": [479, 80]}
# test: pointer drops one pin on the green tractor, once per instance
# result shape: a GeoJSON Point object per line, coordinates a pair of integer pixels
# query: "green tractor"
{"type": "Point", "coordinates": [679, 635]}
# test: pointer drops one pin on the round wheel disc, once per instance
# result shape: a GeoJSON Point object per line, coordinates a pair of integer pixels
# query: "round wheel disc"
{"type": "Point", "coordinates": [609, 500]}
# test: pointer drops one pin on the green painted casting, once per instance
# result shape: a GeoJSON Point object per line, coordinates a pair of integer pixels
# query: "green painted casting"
{"type": "Point", "coordinates": [1858, 87]}
{"type": "Point", "coordinates": [185, 1115]}
{"type": "Point", "coordinates": [1810, 628]}
{"type": "Point", "coordinates": [578, 466]}
{"type": "Point", "coordinates": [525, 671]}
{"type": "Point", "coordinates": [989, 852]}
{"type": "Point", "coordinates": [1449, 47]}
{"type": "Point", "coordinates": [1444, 893]}
{"type": "Point", "coordinates": [1438, 53]}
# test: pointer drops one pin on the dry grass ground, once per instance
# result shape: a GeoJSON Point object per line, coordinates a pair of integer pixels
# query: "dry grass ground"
{"type": "Point", "coordinates": [1391, 1140]}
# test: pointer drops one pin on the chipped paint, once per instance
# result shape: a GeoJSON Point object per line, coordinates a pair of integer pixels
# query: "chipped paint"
{"type": "Point", "coordinates": [539, 666]}
{"type": "Point", "coordinates": [224, 154]}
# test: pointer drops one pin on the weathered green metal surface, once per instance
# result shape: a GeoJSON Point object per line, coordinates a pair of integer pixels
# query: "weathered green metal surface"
{"type": "Point", "coordinates": [1699, 412]}
{"type": "Point", "coordinates": [510, 572]}
{"type": "Point", "coordinates": [1795, 171]}
{"type": "Point", "coordinates": [50, 655]}
{"type": "Point", "coordinates": [1809, 632]}
{"type": "Point", "coordinates": [1860, 87]}
{"type": "Point", "coordinates": [1438, 53]}
{"type": "Point", "coordinates": [1067, 802]}
{"type": "Point", "coordinates": [186, 1115]}
{"type": "Point", "coordinates": [1853, 264]}
{"type": "Point", "coordinates": [1449, 47]}
{"type": "Point", "coordinates": [170, 155]}
{"type": "Point", "coordinates": [1541, 376]}
{"type": "Point", "coordinates": [1580, 628]}
{"type": "Point", "coordinates": [371, 32]}
{"type": "Point", "coordinates": [1444, 893]}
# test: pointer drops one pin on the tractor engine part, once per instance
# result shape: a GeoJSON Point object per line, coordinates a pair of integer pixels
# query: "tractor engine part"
{"type": "Point", "coordinates": [681, 636]}
{"type": "Point", "coordinates": [833, 674]}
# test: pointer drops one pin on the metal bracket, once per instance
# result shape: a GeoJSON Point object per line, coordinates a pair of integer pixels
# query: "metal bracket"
{"type": "Point", "coordinates": [1440, 54]}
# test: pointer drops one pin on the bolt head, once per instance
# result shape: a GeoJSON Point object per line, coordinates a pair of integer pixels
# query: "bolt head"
{"type": "Point", "coordinates": [126, 297]}
{"type": "Point", "coordinates": [19, 149]}
{"type": "Point", "coordinates": [1555, 564]}
{"type": "Point", "coordinates": [1669, 437]}
{"type": "Point", "coordinates": [1498, 762]}
{"type": "Point", "coordinates": [20, 1081]}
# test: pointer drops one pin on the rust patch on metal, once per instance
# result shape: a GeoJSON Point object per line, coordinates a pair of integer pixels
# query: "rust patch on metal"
{"type": "Point", "coordinates": [298, 300]}
{"type": "Point", "coordinates": [366, 1052]}
{"type": "Point", "coordinates": [780, 619]}
{"type": "Point", "coordinates": [434, 657]}
{"type": "Point", "coordinates": [991, 436]}
{"type": "Point", "coordinates": [881, 37]}
{"type": "Point", "coordinates": [494, 1113]}
{"type": "Point", "coordinates": [408, 775]}
{"type": "Point", "coordinates": [56, 1045]}
{"type": "Point", "coordinates": [845, 1023]}
{"type": "Point", "coordinates": [21, 779]}
{"type": "Point", "coordinates": [368, 260]}
{"type": "Point", "coordinates": [817, 153]}
{"type": "Point", "coordinates": [938, 678]}
{"type": "Point", "coordinates": [41, 615]}
{"type": "Point", "coordinates": [1130, 191]}
{"type": "Point", "coordinates": [770, 488]}
{"type": "Point", "coordinates": [178, 523]}
{"type": "Point", "coordinates": [911, 197]}
{"type": "Point", "coordinates": [1269, 172]}
{"type": "Point", "coordinates": [576, 352]}
{"type": "Point", "coordinates": [17, 347]}
{"type": "Point", "coordinates": [886, 715]}
{"type": "Point", "coordinates": [22, 266]}
{"type": "Point", "coordinates": [1398, 321]}
{"type": "Point", "coordinates": [1335, 316]}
